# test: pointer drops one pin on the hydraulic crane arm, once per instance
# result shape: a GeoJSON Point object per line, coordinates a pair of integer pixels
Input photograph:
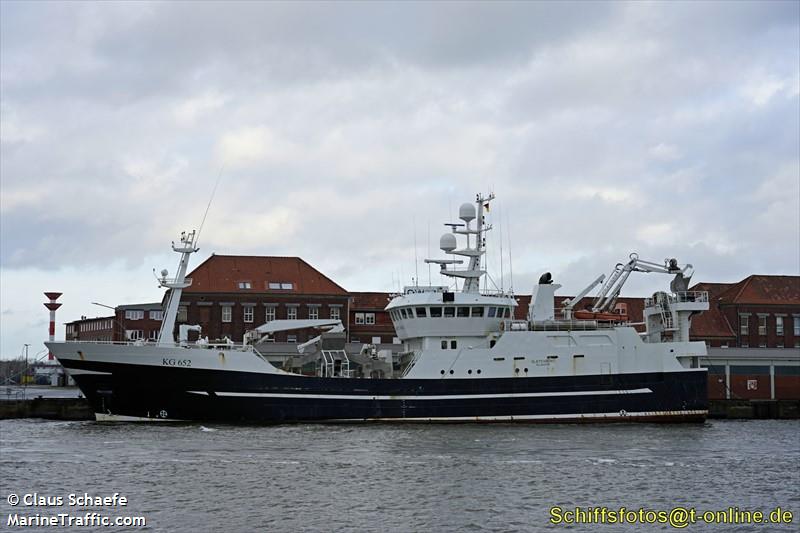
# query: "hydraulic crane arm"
{"type": "Point", "coordinates": [609, 292]}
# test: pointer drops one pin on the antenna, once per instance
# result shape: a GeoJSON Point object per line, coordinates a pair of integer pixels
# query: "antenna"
{"type": "Point", "coordinates": [510, 264]}
{"type": "Point", "coordinates": [429, 253]}
{"type": "Point", "coordinates": [500, 219]}
{"type": "Point", "coordinates": [213, 192]}
{"type": "Point", "coordinates": [416, 260]}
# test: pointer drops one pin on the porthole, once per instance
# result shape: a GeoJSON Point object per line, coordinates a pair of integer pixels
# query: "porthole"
{"type": "Point", "coordinates": [443, 372]}
{"type": "Point", "coordinates": [516, 370]}
{"type": "Point", "coordinates": [526, 370]}
{"type": "Point", "coordinates": [479, 371]}
{"type": "Point", "coordinates": [452, 372]}
{"type": "Point", "coordinates": [469, 371]}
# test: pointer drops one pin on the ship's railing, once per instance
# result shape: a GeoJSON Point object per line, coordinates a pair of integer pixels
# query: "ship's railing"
{"type": "Point", "coordinates": [558, 325]}
{"type": "Point", "coordinates": [214, 346]}
{"type": "Point", "coordinates": [678, 297]}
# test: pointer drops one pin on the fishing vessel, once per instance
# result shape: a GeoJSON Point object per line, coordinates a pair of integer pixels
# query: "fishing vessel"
{"type": "Point", "coordinates": [464, 358]}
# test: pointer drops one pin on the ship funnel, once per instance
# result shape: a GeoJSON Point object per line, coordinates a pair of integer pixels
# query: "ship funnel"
{"type": "Point", "coordinates": [447, 242]}
{"type": "Point", "coordinates": [466, 212]}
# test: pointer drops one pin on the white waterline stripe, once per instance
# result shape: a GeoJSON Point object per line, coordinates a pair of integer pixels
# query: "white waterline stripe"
{"type": "Point", "coordinates": [425, 397]}
{"type": "Point", "coordinates": [80, 372]}
{"type": "Point", "coordinates": [104, 417]}
{"type": "Point", "coordinates": [512, 418]}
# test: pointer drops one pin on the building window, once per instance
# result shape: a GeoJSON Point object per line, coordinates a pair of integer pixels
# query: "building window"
{"type": "Point", "coordinates": [797, 326]}
{"type": "Point", "coordinates": [291, 314]}
{"type": "Point", "coordinates": [157, 315]}
{"type": "Point", "coordinates": [779, 325]}
{"type": "Point", "coordinates": [291, 338]}
{"type": "Point", "coordinates": [376, 340]}
{"type": "Point", "coordinates": [744, 325]}
{"type": "Point", "coordinates": [313, 313]}
{"type": "Point", "coordinates": [336, 313]}
{"type": "Point", "coordinates": [745, 344]}
{"type": "Point", "coordinates": [248, 314]}
{"type": "Point", "coordinates": [395, 340]}
{"type": "Point", "coordinates": [153, 334]}
{"type": "Point", "coordinates": [762, 325]}
{"type": "Point", "coordinates": [134, 334]}
{"type": "Point", "coordinates": [227, 313]}
{"type": "Point", "coordinates": [762, 344]}
{"type": "Point", "coordinates": [270, 314]}
{"type": "Point", "coordinates": [182, 314]}
{"type": "Point", "coordinates": [359, 318]}
{"type": "Point", "coordinates": [280, 285]}
{"type": "Point", "coordinates": [245, 285]}
{"type": "Point", "coordinates": [369, 318]}
{"type": "Point", "coordinates": [131, 314]}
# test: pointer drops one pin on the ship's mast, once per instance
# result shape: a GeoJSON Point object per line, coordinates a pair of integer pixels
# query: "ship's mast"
{"type": "Point", "coordinates": [176, 286]}
{"type": "Point", "coordinates": [448, 243]}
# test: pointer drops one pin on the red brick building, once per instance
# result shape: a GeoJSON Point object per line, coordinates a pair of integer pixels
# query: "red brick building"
{"type": "Point", "coordinates": [130, 322]}
{"type": "Point", "coordinates": [369, 323]}
{"type": "Point", "coordinates": [757, 312]}
{"type": "Point", "coordinates": [231, 294]}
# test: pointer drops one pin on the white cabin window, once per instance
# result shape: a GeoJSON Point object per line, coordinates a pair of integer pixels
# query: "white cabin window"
{"type": "Point", "coordinates": [453, 345]}
{"type": "Point", "coordinates": [336, 313]}
{"type": "Point", "coordinates": [444, 345]}
{"type": "Point", "coordinates": [248, 314]}
{"type": "Point", "coordinates": [359, 318]}
{"type": "Point", "coordinates": [270, 314]}
{"type": "Point", "coordinates": [369, 318]}
{"type": "Point", "coordinates": [132, 314]}
{"type": "Point", "coordinates": [313, 313]}
{"type": "Point", "coordinates": [227, 313]}
{"type": "Point", "coordinates": [157, 315]}
{"type": "Point", "coordinates": [291, 314]}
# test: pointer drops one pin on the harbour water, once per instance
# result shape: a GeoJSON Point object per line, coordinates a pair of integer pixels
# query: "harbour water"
{"type": "Point", "coordinates": [403, 478]}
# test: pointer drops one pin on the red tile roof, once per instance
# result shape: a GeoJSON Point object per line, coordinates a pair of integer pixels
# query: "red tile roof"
{"type": "Point", "coordinates": [760, 289]}
{"type": "Point", "coordinates": [369, 300]}
{"type": "Point", "coordinates": [222, 273]}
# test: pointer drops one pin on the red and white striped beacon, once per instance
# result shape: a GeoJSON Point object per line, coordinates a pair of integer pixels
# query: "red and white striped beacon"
{"type": "Point", "coordinates": [52, 306]}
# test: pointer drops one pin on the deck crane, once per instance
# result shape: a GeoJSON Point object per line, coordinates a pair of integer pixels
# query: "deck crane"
{"type": "Point", "coordinates": [603, 305]}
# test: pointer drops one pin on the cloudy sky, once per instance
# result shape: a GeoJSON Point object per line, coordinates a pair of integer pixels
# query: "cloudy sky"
{"type": "Point", "coordinates": [345, 132]}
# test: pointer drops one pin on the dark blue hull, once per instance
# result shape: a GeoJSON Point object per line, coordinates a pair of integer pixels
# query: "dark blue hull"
{"type": "Point", "coordinates": [191, 394]}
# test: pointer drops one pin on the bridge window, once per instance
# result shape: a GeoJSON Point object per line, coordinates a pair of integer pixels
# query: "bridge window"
{"type": "Point", "coordinates": [463, 312]}
{"type": "Point", "coordinates": [492, 312]}
{"type": "Point", "coordinates": [449, 312]}
{"type": "Point", "coordinates": [477, 312]}
{"type": "Point", "coordinates": [436, 312]}
{"type": "Point", "coordinates": [410, 312]}
{"type": "Point", "coordinates": [421, 313]}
